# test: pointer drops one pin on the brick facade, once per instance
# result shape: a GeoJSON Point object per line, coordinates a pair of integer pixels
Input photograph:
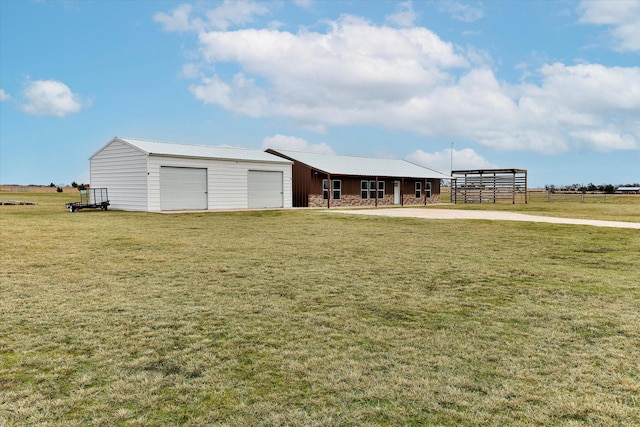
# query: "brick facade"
{"type": "Point", "coordinates": [316, 201]}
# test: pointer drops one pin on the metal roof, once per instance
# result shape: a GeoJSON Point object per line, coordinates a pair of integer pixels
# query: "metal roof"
{"type": "Point", "coordinates": [487, 171]}
{"type": "Point", "coordinates": [361, 166]}
{"type": "Point", "coordinates": [200, 151]}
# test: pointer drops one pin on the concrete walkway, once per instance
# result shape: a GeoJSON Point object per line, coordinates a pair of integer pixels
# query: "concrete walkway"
{"type": "Point", "coordinates": [487, 215]}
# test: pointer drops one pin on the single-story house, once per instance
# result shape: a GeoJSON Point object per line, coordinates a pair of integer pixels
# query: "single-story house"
{"type": "Point", "coordinates": [142, 175]}
{"type": "Point", "coordinates": [322, 180]}
{"type": "Point", "coordinates": [628, 190]}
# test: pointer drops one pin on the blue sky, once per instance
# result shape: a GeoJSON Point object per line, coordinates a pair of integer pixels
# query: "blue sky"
{"type": "Point", "coordinates": [549, 86]}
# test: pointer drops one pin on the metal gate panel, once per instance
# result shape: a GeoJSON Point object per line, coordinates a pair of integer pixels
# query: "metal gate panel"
{"type": "Point", "coordinates": [265, 189]}
{"type": "Point", "coordinates": [183, 188]}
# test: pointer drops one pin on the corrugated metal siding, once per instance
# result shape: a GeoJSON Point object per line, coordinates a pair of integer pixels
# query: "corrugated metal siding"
{"type": "Point", "coordinates": [122, 169]}
{"type": "Point", "coordinates": [227, 180]}
{"type": "Point", "coordinates": [316, 183]}
{"type": "Point", "coordinates": [301, 185]}
{"type": "Point", "coordinates": [435, 187]}
{"type": "Point", "coordinates": [350, 185]}
{"type": "Point", "coordinates": [228, 188]}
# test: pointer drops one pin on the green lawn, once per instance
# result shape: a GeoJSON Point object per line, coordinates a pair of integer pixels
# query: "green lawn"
{"type": "Point", "coordinates": [617, 207]}
{"type": "Point", "coordinates": [303, 318]}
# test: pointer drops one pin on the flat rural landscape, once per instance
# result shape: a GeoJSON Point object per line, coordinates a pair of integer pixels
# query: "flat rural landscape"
{"type": "Point", "coordinates": [308, 318]}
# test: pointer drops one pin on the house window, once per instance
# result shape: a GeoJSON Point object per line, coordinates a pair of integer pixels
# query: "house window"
{"type": "Point", "coordinates": [336, 185]}
{"type": "Point", "coordinates": [418, 189]}
{"type": "Point", "coordinates": [427, 190]}
{"type": "Point", "coordinates": [372, 189]}
{"type": "Point", "coordinates": [337, 189]}
{"type": "Point", "coordinates": [368, 189]}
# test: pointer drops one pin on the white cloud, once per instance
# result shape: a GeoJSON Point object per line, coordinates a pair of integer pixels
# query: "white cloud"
{"type": "Point", "coordinates": [178, 20]}
{"type": "Point", "coordinates": [623, 18]}
{"type": "Point", "coordinates": [606, 140]}
{"type": "Point", "coordinates": [464, 12]}
{"type": "Point", "coordinates": [4, 96]}
{"type": "Point", "coordinates": [242, 95]}
{"type": "Point", "coordinates": [593, 88]}
{"type": "Point", "coordinates": [440, 161]}
{"type": "Point", "coordinates": [293, 143]}
{"type": "Point", "coordinates": [305, 4]}
{"type": "Point", "coordinates": [586, 105]}
{"type": "Point", "coordinates": [337, 78]}
{"type": "Point", "coordinates": [235, 12]}
{"type": "Point", "coordinates": [51, 98]}
{"type": "Point", "coordinates": [409, 79]}
{"type": "Point", "coordinates": [405, 15]}
{"type": "Point", "coordinates": [190, 71]}
{"type": "Point", "coordinates": [228, 13]}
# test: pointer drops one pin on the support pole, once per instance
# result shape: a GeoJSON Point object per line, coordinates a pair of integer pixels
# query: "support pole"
{"type": "Point", "coordinates": [328, 191]}
{"type": "Point", "coordinates": [494, 187]}
{"type": "Point", "coordinates": [453, 184]}
{"type": "Point", "coordinates": [424, 191]}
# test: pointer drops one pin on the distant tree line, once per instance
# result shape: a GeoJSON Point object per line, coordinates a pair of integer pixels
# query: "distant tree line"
{"type": "Point", "coordinates": [73, 184]}
{"type": "Point", "coordinates": [589, 188]}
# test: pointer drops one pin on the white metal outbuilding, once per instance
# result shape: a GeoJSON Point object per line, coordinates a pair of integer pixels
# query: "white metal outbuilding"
{"type": "Point", "coordinates": [152, 176]}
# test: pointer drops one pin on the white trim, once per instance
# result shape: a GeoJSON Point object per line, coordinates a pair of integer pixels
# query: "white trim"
{"type": "Point", "coordinates": [368, 187]}
{"type": "Point", "coordinates": [333, 190]}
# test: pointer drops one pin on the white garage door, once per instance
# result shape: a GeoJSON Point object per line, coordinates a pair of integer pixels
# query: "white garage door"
{"type": "Point", "coordinates": [265, 189]}
{"type": "Point", "coordinates": [183, 188]}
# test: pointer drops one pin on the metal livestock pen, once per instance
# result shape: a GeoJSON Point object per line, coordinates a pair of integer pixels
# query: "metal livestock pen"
{"type": "Point", "coordinates": [489, 186]}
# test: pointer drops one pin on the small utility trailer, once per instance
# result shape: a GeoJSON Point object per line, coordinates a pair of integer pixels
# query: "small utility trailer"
{"type": "Point", "coordinates": [90, 198]}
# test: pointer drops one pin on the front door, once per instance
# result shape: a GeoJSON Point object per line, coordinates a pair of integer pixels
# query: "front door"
{"type": "Point", "coordinates": [396, 192]}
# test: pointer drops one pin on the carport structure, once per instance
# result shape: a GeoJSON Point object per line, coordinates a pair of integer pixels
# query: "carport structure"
{"type": "Point", "coordinates": [489, 186]}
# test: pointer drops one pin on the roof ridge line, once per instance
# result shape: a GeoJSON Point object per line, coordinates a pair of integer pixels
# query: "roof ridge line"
{"type": "Point", "coordinates": [189, 144]}
{"type": "Point", "coordinates": [417, 164]}
{"type": "Point", "coordinates": [335, 155]}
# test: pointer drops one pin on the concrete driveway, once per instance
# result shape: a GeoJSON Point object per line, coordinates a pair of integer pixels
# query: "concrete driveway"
{"type": "Point", "coordinates": [486, 215]}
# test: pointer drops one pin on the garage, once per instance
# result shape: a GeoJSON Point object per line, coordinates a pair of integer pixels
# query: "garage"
{"type": "Point", "coordinates": [183, 188]}
{"type": "Point", "coordinates": [265, 189]}
{"type": "Point", "coordinates": [153, 176]}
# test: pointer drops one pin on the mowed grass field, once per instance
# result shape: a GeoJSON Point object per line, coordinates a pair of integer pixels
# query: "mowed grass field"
{"type": "Point", "coordinates": [305, 318]}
